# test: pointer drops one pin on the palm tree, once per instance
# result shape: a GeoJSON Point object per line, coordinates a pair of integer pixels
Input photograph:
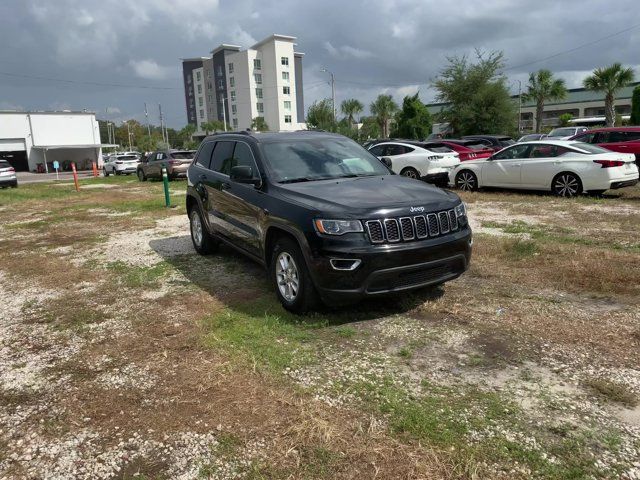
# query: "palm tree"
{"type": "Point", "coordinates": [259, 124]}
{"type": "Point", "coordinates": [211, 126]}
{"type": "Point", "coordinates": [542, 87]}
{"type": "Point", "coordinates": [609, 80]}
{"type": "Point", "coordinates": [383, 108]}
{"type": "Point", "coordinates": [351, 107]}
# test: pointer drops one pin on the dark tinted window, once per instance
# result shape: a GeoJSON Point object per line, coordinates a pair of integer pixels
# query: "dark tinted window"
{"type": "Point", "coordinates": [204, 154]}
{"type": "Point", "coordinates": [188, 155]}
{"type": "Point", "coordinates": [377, 150]}
{"type": "Point", "coordinates": [546, 151]}
{"type": "Point", "coordinates": [127, 157]}
{"type": "Point", "coordinates": [623, 136]}
{"type": "Point", "coordinates": [586, 138]}
{"type": "Point", "coordinates": [4, 164]}
{"type": "Point", "coordinates": [392, 150]}
{"type": "Point", "coordinates": [475, 146]}
{"type": "Point", "coordinates": [222, 155]}
{"type": "Point", "coordinates": [438, 147]}
{"type": "Point", "coordinates": [518, 151]}
{"type": "Point", "coordinates": [241, 156]}
{"type": "Point", "coordinates": [505, 142]}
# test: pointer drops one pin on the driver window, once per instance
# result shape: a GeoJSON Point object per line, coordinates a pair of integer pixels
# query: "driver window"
{"type": "Point", "coordinates": [518, 151]}
{"type": "Point", "coordinates": [377, 150]}
{"type": "Point", "coordinates": [394, 150]}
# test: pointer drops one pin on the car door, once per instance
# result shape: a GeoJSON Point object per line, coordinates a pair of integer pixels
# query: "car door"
{"type": "Point", "coordinates": [541, 165]}
{"type": "Point", "coordinates": [215, 182]}
{"type": "Point", "coordinates": [503, 168]}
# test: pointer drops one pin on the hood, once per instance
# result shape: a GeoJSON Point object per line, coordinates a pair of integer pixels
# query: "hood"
{"type": "Point", "coordinates": [391, 195]}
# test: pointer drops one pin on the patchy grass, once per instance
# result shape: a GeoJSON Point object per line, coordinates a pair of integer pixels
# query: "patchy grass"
{"type": "Point", "coordinates": [612, 391]}
{"type": "Point", "coordinates": [134, 276]}
{"type": "Point", "coordinates": [518, 248]}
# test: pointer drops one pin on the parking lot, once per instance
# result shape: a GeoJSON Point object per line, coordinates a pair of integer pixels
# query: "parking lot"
{"type": "Point", "coordinates": [125, 354]}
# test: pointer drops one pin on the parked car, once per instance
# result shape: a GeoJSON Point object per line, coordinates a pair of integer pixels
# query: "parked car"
{"type": "Point", "coordinates": [568, 168]}
{"type": "Point", "coordinates": [175, 161]}
{"type": "Point", "coordinates": [496, 142]}
{"type": "Point", "coordinates": [415, 160]}
{"type": "Point", "coordinates": [532, 136]}
{"type": "Point", "coordinates": [618, 139]}
{"type": "Point", "coordinates": [7, 175]}
{"type": "Point", "coordinates": [120, 165]}
{"type": "Point", "coordinates": [565, 133]}
{"type": "Point", "coordinates": [327, 219]}
{"type": "Point", "coordinates": [468, 149]}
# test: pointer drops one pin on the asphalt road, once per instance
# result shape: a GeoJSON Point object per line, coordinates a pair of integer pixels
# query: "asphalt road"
{"type": "Point", "coordinates": [29, 177]}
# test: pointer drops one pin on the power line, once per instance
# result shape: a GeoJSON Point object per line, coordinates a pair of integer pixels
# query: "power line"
{"type": "Point", "coordinates": [564, 52]}
{"type": "Point", "coordinates": [79, 82]}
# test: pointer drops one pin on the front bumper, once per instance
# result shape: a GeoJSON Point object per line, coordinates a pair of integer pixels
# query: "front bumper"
{"type": "Point", "coordinates": [391, 268]}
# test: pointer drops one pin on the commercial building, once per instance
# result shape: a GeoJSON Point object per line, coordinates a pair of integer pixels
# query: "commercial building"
{"type": "Point", "coordinates": [235, 86]}
{"type": "Point", "coordinates": [32, 141]}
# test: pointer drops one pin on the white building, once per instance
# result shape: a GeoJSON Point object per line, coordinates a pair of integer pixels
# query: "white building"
{"type": "Point", "coordinates": [29, 139]}
{"type": "Point", "coordinates": [236, 86]}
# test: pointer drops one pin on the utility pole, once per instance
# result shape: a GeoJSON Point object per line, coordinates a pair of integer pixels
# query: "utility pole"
{"type": "Point", "coordinates": [224, 114]}
{"type": "Point", "coordinates": [146, 115]}
{"type": "Point", "coordinates": [129, 134]}
{"type": "Point", "coordinates": [519, 106]}
{"type": "Point", "coordinates": [333, 93]}
{"type": "Point", "coordinates": [161, 124]}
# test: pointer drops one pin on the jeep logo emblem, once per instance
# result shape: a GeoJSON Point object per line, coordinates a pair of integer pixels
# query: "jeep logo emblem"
{"type": "Point", "coordinates": [416, 209]}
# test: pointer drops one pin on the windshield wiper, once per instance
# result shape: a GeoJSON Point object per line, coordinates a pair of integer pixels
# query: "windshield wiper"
{"type": "Point", "coordinates": [300, 179]}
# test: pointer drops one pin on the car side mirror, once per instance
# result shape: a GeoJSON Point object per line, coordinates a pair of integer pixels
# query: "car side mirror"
{"type": "Point", "coordinates": [244, 174]}
{"type": "Point", "coordinates": [386, 161]}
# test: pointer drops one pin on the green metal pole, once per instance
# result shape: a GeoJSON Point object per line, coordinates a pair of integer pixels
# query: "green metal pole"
{"type": "Point", "coordinates": [165, 180]}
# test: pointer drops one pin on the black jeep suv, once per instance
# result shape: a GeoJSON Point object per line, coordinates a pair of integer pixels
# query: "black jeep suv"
{"type": "Point", "coordinates": [326, 218]}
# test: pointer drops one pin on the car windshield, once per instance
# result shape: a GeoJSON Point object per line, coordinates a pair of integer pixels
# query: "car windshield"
{"type": "Point", "coordinates": [562, 132]}
{"type": "Point", "coordinates": [183, 155]}
{"type": "Point", "coordinates": [319, 159]}
{"type": "Point", "coordinates": [587, 147]}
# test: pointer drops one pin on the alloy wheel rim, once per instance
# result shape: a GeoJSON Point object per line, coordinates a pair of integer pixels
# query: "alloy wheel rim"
{"type": "Point", "coordinates": [410, 174]}
{"type": "Point", "coordinates": [466, 182]}
{"type": "Point", "coordinates": [287, 276]}
{"type": "Point", "coordinates": [196, 228]}
{"type": "Point", "coordinates": [567, 185]}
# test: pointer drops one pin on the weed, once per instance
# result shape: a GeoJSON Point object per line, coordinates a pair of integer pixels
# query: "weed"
{"type": "Point", "coordinates": [614, 392]}
{"type": "Point", "coordinates": [519, 249]}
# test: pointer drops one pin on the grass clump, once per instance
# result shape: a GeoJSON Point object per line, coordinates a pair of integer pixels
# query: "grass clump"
{"type": "Point", "coordinates": [612, 391]}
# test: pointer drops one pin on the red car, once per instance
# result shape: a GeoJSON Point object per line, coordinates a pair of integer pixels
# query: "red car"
{"type": "Point", "coordinates": [618, 139]}
{"type": "Point", "coordinates": [469, 149]}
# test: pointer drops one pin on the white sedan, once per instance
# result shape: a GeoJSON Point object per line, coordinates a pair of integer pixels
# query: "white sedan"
{"type": "Point", "coordinates": [568, 168]}
{"type": "Point", "coordinates": [430, 162]}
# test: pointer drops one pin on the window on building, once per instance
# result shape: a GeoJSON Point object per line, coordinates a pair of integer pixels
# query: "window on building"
{"type": "Point", "coordinates": [219, 70]}
{"type": "Point", "coordinates": [210, 86]}
{"type": "Point", "coordinates": [210, 98]}
{"type": "Point", "coordinates": [258, 93]}
{"type": "Point", "coordinates": [220, 83]}
{"type": "Point", "coordinates": [235, 123]}
{"type": "Point", "coordinates": [258, 77]}
{"type": "Point", "coordinates": [233, 96]}
{"type": "Point", "coordinates": [188, 78]}
{"type": "Point", "coordinates": [284, 61]}
{"type": "Point", "coordinates": [199, 88]}
{"type": "Point", "coordinates": [234, 109]}
{"type": "Point", "coordinates": [202, 113]}
{"type": "Point", "coordinates": [285, 76]}
{"type": "Point", "coordinates": [257, 64]}
{"type": "Point", "coordinates": [231, 68]}
{"type": "Point", "coordinates": [260, 107]}
{"type": "Point", "coordinates": [287, 119]}
{"type": "Point", "coordinates": [286, 90]}
{"type": "Point", "coordinates": [208, 73]}
{"type": "Point", "coordinates": [232, 82]}
{"type": "Point", "coordinates": [287, 105]}
{"type": "Point", "coordinates": [200, 101]}
{"type": "Point", "coordinates": [198, 76]}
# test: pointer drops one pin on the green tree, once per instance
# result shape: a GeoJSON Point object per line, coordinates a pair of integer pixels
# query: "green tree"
{"type": "Point", "coordinates": [609, 80]}
{"type": "Point", "coordinates": [259, 124]}
{"type": "Point", "coordinates": [384, 108]}
{"type": "Point", "coordinates": [350, 108]}
{"type": "Point", "coordinates": [320, 115]}
{"type": "Point", "coordinates": [370, 128]}
{"type": "Point", "coordinates": [635, 107]}
{"type": "Point", "coordinates": [543, 87]}
{"type": "Point", "coordinates": [413, 120]}
{"type": "Point", "coordinates": [185, 135]}
{"type": "Point", "coordinates": [477, 96]}
{"type": "Point", "coordinates": [211, 126]}
{"type": "Point", "coordinates": [565, 119]}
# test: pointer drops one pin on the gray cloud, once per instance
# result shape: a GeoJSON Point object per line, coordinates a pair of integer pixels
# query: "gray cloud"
{"type": "Point", "coordinates": [373, 46]}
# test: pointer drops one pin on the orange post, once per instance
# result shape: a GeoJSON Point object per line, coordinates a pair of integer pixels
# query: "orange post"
{"type": "Point", "coordinates": [75, 176]}
{"type": "Point", "coordinates": [95, 169]}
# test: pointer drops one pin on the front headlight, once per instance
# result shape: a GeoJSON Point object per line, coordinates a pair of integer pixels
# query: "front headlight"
{"type": "Point", "coordinates": [461, 213]}
{"type": "Point", "coordinates": [338, 227]}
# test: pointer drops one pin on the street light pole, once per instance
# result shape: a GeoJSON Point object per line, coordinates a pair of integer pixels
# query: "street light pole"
{"type": "Point", "coordinates": [333, 93]}
{"type": "Point", "coordinates": [519, 107]}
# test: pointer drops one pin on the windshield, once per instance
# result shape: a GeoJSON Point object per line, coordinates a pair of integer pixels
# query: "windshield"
{"type": "Point", "coordinates": [587, 147]}
{"type": "Point", "coordinates": [183, 155]}
{"type": "Point", "coordinates": [320, 159]}
{"type": "Point", "coordinates": [562, 132]}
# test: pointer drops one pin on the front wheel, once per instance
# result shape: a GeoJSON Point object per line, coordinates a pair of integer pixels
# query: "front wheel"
{"type": "Point", "coordinates": [566, 185]}
{"type": "Point", "coordinates": [467, 181]}
{"type": "Point", "coordinates": [291, 277]}
{"type": "Point", "coordinates": [410, 172]}
{"type": "Point", "coordinates": [203, 242]}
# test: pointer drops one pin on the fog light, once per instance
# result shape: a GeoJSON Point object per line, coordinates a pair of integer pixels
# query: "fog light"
{"type": "Point", "coordinates": [347, 264]}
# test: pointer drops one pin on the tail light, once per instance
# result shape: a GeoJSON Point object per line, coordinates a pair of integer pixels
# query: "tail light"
{"type": "Point", "coordinates": [11, 169]}
{"type": "Point", "coordinates": [609, 163]}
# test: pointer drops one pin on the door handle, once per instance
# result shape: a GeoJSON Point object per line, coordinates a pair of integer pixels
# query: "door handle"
{"type": "Point", "coordinates": [516, 165]}
{"type": "Point", "coordinates": [202, 176]}
{"type": "Point", "coordinates": [226, 186]}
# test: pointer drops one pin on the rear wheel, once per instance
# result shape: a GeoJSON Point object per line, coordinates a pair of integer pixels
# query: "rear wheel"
{"type": "Point", "coordinates": [410, 172]}
{"type": "Point", "coordinates": [141, 176]}
{"type": "Point", "coordinates": [466, 181]}
{"type": "Point", "coordinates": [203, 242]}
{"type": "Point", "coordinates": [291, 277]}
{"type": "Point", "coordinates": [566, 185]}
{"type": "Point", "coordinates": [104, 170]}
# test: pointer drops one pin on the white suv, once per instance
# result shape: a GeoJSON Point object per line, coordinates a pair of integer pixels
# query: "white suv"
{"type": "Point", "coordinates": [418, 160]}
{"type": "Point", "coordinates": [121, 165]}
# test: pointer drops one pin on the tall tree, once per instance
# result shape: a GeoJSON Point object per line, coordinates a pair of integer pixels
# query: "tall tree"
{"type": "Point", "coordinates": [477, 96]}
{"type": "Point", "coordinates": [383, 108]}
{"type": "Point", "coordinates": [350, 108]}
{"type": "Point", "coordinates": [370, 128]}
{"type": "Point", "coordinates": [542, 87]}
{"type": "Point", "coordinates": [609, 80]}
{"type": "Point", "coordinates": [320, 115]}
{"type": "Point", "coordinates": [635, 107]}
{"type": "Point", "coordinates": [259, 124]}
{"type": "Point", "coordinates": [413, 120]}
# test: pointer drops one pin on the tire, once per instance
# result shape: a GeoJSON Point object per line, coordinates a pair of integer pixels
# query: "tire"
{"type": "Point", "coordinates": [14, 185]}
{"type": "Point", "coordinates": [141, 176]}
{"type": "Point", "coordinates": [466, 181]}
{"type": "Point", "coordinates": [410, 172]}
{"type": "Point", "coordinates": [106, 174]}
{"type": "Point", "coordinates": [288, 269]}
{"type": "Point", "coordinates": [115, 172]}
{"type": "Point", "coordinates": [202, 241]}
{"type": "Point", "coordinates": [566, 184]}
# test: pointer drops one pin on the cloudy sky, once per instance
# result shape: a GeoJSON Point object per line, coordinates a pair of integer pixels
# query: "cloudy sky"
{"type": "Point", "coordinates": [374, 46]}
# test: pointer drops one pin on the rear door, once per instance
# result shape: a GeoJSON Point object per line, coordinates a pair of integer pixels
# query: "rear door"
{"type": "Point", "coordinates": [541, 165]}
{"type": "Point", "coordinates": [215, 182]}
{"type": "Point", "coordinates": [503, 170]}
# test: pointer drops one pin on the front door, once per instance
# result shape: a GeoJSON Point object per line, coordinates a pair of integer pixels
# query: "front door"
{"type": "Point", "coordinates": [503, 169]}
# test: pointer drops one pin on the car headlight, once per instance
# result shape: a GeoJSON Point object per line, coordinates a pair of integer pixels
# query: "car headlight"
{"type": "Point", "coordinates": [338, 227]}
{"type": "Point", "coordinates": [461, 213]}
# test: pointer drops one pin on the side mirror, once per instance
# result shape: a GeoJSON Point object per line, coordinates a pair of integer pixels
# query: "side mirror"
{"type": "Point", "coordinates": [244, 174]}
{"type": "Point", "coordinates": [386, 161]}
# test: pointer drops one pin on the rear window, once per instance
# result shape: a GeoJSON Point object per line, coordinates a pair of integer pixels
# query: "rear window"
{"type": "Point", "coordinates": [438, 147]}
{"type": "Point", "coordinates": [561, 132]}
{"type": "Point", "coordinates": [505, 142]}
{"type": "Point", "coordinates": [187, 155]}
{"type": "Point", "coordinates": [475, 146]}
{"type": "Point", "coordinates": [587, 147]}
{"type": "Point", "coordinates": [127, 157]}
{"type": "Point", "coordinates": [4, 164]}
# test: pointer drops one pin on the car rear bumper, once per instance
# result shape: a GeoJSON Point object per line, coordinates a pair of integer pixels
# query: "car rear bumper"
{"type": "Point", "coordinates": [13, 180]}
{"type": "Point", "coordinates": [440, 178]}
{"type": "Point", "coordinates": [624, 183]}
